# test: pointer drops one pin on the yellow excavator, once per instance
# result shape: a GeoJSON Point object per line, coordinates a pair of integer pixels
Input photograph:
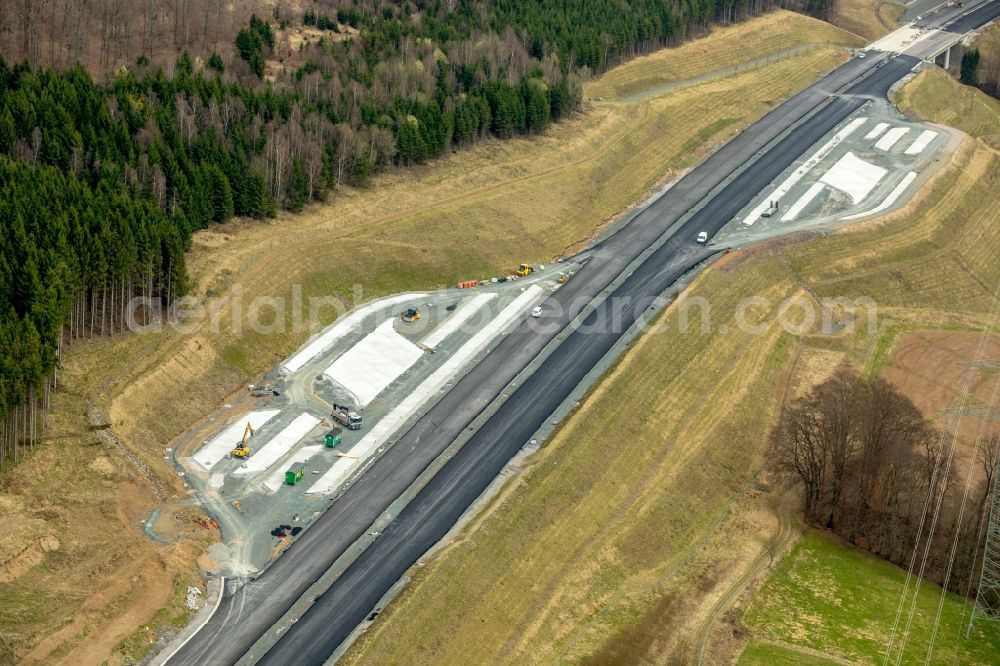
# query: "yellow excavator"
{"type": "Point", "coordinates": [242, 450]}
{"type": "Point", "coordinates": [524, 270]}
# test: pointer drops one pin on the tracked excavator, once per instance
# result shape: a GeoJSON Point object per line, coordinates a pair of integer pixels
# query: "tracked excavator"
{"type": "Point", "coordinates": [242, 450]}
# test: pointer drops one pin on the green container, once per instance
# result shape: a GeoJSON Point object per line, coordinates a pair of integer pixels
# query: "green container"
{"type": "Point", "coordinates": [334, 437]}
{"type": "Point", "coordinates": [293, 475]}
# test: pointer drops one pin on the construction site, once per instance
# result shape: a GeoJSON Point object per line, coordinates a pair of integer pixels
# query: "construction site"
{"type": "Point", "coordinates": [266, 465]}
{"type": "Point", "coordinates": [868, 166]}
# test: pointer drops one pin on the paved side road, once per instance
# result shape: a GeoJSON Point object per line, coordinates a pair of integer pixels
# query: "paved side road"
{"type": "Point", "coordinates": [456, 486]}
{"type": "Point", "coordinates": [245, 616]}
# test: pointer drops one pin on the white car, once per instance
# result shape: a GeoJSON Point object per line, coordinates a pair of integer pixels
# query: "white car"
{"type": "Point", "coordinates": [537, 312]}
{"type": "Point", "coordinates": [702, 237]}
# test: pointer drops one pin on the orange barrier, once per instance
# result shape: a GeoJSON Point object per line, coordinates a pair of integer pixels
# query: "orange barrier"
{"type": "Point", "coordinates": [467, 283]}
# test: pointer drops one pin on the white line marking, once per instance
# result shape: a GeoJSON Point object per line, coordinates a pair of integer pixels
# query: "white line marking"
{"type": "Point", "coordinates": [161, 659]}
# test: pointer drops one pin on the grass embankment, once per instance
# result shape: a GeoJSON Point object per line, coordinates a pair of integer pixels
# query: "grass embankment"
{"type": "Point", "coordinates": [936, 97]}
{"type": "Point", "coordinates": [617, 542]}
{"type": "Point", "coordinates": [869, 19]}
{"type": "Point", "coordinates": [475, 213]}
{"type": "Point", "coordinates": [843, 601]}
{"type": "Point", "coordinates": [775, 33]}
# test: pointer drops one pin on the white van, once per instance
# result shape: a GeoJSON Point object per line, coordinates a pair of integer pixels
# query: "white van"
{"type": "Point", "coordinates": [702, 237]}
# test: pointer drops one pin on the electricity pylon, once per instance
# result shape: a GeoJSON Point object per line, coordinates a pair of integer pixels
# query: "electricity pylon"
{"type": "Point", "coordinates": [987, 606]}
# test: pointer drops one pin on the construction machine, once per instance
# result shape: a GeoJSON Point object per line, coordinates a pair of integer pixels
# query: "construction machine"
{"type": "Point", "coordinates": [242, 450]}
{"type": "Point", "coordinates": [562, 278]}
{"type": "Point", "coordinates": [410, 315]}
{"type": "Point", "coordinates": [524, 270]}
{"type": "Point", "coordinates": [348, 419]}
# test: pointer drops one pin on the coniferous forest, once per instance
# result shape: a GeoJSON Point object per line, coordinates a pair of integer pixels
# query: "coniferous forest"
{"type": "Point", "coordinates": [126, 125]}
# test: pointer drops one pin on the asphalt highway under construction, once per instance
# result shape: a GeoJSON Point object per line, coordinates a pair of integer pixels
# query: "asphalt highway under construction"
{"type": "Point", "coordinates": [708, 196]}
{"type": "Point", "coordinates": [429, 516]}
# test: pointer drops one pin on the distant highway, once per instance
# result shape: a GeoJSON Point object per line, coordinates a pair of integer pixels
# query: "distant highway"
{"type": "Point", "coordinates": [245, 616]}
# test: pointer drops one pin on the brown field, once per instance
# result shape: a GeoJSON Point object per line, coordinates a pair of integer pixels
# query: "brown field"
{"type": "Point", "coordinates": [932, 368]}
{"type": "Point", "coordinates": [470, 214]}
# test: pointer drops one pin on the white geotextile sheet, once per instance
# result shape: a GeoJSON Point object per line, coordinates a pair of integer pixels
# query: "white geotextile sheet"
{"type": "Point", "coordinates": [854, 176]}
{"type": "Point", "coordinates": [208, 455]}
{"type": "Point", "coordinates": [340, 328]}
{"type": "Point", "coordinates": [280, 444]}
{"type": "Point", "coordinates": [367, 368]}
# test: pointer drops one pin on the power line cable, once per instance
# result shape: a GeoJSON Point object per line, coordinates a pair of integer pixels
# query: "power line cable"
{"type": "Point", "coordinates": [951, 426]}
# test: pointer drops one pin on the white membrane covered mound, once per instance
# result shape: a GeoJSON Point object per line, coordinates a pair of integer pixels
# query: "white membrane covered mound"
{"type": "Point", "coordinates": [787, 184]}
{"type": "Point", "coordinates": [464, 313]}
{"type": "Point", "coordinates": [342, 327]}
{"type": "Point", "coordinates": [227, 440]}
{"type": "Point", "coordinates": [367, 368]}
{"type": "Point", "coordinates": [279, 445]}
{"type": "Point", "coordinates": [920, 143]}
{"type": "Point", "coordinates": [854, 176]}
{"type": "Point", "coordinates": [890, 138]}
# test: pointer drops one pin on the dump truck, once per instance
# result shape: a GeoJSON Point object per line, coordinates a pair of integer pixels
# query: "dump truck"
{"type": "Point", "coordinates": [410, 315]}
{"type": "Point", "coordinates": [524, 270]}
{"type": "Point", "coordinates": [334, 437]}
{"type": "Point", "coordinates": [350, 420]}
{"type": "Point", "coordinates": [242, 450]}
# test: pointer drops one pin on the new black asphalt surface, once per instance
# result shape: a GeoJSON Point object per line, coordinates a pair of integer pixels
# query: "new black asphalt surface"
{"type": "Point", "coordinates": [972, 20]}
{"type": "Point", "coordinates": [242, 618]}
